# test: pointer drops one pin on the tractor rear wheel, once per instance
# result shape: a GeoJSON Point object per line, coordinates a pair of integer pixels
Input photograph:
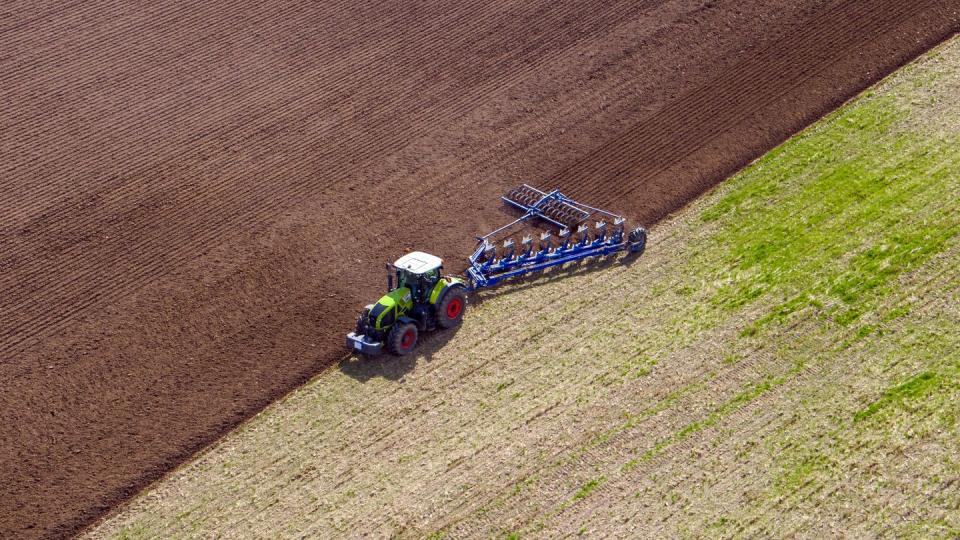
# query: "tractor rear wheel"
{"type": "Point", "coordinates": [451, 307]}
{"type": "Point", "coordinates": [402, 338]}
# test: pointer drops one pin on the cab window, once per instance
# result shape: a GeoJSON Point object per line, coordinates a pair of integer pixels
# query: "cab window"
{"type": "Point", "coordinates": [404, 279]}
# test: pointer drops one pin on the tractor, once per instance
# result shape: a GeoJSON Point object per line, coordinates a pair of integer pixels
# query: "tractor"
{"type": "Point", "coordinates": [422, 300]}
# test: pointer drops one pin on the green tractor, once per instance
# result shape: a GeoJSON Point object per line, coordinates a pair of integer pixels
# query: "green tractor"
{"type": "Point", "coordinates": [422, 301]}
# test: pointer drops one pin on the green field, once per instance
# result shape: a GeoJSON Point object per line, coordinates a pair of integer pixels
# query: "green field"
{"type": "Point", "coordinates": [784, 360]}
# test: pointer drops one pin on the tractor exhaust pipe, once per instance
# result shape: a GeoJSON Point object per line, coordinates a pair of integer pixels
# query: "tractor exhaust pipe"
{"type": "Point", "coordinates": [389, 278]}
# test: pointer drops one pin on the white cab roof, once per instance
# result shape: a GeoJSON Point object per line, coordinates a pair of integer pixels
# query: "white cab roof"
{"type": "Point", "coordinates": [418, 262]}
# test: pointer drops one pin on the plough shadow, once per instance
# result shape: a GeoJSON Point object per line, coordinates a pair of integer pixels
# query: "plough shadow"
{"type": "Point", "coordinates": [394, 368]}
{"type": "Point", "coordinates": [578, 268]}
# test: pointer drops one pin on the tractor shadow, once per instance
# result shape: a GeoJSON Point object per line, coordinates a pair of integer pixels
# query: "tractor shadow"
{"type": "Point", "coordinates": [394, 368]}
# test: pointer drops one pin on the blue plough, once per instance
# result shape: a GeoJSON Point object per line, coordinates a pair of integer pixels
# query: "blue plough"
{"type": "Point", "coordinates": [489, 268]}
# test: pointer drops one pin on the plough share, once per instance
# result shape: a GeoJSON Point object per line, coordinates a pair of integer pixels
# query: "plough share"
{"type": "Point", "coordinates": [488, 268]}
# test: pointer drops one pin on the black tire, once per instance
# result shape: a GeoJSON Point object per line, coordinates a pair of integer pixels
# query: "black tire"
{"type": "Point", "coordinates": [638, 240]}
{"type": "Point", "coordinates": [451, 307]}
{"type": "Point", "coordinates": [402, 338]}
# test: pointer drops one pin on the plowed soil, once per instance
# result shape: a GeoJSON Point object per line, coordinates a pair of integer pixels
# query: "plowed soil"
{"type": "Point", "coordinates": [196, 199]}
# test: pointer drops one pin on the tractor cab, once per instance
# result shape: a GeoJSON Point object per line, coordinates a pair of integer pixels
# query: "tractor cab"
{"type": "Point", "coordinates": [418, 272]}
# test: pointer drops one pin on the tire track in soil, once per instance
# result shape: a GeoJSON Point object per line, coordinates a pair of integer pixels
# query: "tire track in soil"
{"type": "Point", "coordinates": [144, 204]}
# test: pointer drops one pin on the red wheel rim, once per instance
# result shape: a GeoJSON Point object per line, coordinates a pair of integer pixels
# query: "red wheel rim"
{"type": "Point", "coordinates": [454, 308]}
{"type": "Point", "coordinates": [407, 340]}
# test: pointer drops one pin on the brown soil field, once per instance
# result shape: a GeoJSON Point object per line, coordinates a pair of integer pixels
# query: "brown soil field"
{"type": "Point", "coordinates": [196, 199]}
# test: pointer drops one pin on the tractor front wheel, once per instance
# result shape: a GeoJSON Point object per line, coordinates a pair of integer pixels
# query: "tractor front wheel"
{"type": "Point", "coordinates": [402, 338]}
{"type": "Point", "coordinates": [451, 307]}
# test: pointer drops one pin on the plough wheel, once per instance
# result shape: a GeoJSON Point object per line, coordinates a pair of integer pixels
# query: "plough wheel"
{"type": "Point", "coordinates": [638, 240]}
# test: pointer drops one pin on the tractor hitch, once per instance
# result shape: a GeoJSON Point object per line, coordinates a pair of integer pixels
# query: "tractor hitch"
{"type": "Point", "coordinates": [364, 344]}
